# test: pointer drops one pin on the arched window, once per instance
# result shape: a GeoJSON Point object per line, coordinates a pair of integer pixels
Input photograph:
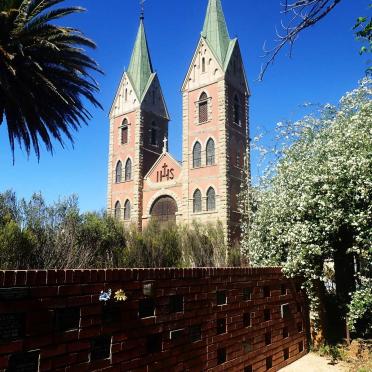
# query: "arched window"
{"type": "Point", "coordinates": [237, 118]}
{"type": "Point", "coordinates": [197, 201]}
{"type": "Point", "coordinates": [211, 199]}
{"type": "Point", "coordinates": [196, 155]}
{"type": "Point", "coordinates": [127, 210]}
{"type": "Point", "coordinates": [124, 132]}
{"type": "Point", "coordinates": [154, 138]}
{"type": "Point", "coordinates": [118, 172]}
{"type": "Point", "coordinates": [203, 64]}
{"type": "Point", "coordinates": [128, 170]}
{"type": "Point", "coordinates": [210, 152]}
{"type": "Point", "coordinates": [117, 210]}
{"type": "Point", "coordinates": [203, 108]}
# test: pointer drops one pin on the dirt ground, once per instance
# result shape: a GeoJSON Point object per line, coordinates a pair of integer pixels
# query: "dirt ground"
{"type": "Point", "coordinates": [314, 363]}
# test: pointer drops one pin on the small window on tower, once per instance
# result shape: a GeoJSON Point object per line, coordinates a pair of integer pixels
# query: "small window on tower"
{"type": "Point", "coordinates": [124, 132]}
{"type": "Point", "coordinates": [154, 138]}
{"type": "Point", "coordinates": [196, 155]}
{"type": "Point", "coordinates": [237, 117]}
{"type": "Point", "coordinates": [210, 152]}
{"type": "Point", "coordinates": [203, 64]}
{"type": "Point", "coordinates": [203, 108]}
{"type": "Point", "coordinates": [128, 170]}
{"type": "Point", "coordinates": [118, 172]}
{"type": "Point", "coordinates": [126, 95]}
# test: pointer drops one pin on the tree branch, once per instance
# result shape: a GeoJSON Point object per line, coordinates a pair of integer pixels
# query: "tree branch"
{"type": "Point", "coordinates": [305, 14]}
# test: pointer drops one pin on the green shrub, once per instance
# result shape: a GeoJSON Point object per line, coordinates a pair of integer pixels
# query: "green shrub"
{"type": "Point", "coordinates": [360, 311]}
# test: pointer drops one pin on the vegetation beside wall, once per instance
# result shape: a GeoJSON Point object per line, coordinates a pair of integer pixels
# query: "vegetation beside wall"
{"type": "Point", "coordinates": [312, 211]}
{"type": "Point", "coordinates": [35, 235]}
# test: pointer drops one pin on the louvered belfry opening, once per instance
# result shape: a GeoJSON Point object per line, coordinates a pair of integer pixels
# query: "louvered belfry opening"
{"type": "Point", "coordinates": [203, 108]}
{"type": "Point", "coordinates": [164, 209]}
{"type": "Point", "coordinates": [124, 132]}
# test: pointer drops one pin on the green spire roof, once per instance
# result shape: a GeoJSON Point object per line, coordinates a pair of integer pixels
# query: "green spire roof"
{"type": "Point", "coordinates": [140, 67]}
{"type": "Point", "coordinates": [215, 30]}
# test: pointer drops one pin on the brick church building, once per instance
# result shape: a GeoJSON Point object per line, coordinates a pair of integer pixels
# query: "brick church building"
{"type": "Point", "coordinates": [144, 179]}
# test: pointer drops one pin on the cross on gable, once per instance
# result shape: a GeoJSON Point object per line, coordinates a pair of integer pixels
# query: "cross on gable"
{"type": "Point", "coordinates": [165, 143]}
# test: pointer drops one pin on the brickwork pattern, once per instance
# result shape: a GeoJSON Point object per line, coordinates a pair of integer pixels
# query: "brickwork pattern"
{"type": "Point", "coordinates": [173, 320]}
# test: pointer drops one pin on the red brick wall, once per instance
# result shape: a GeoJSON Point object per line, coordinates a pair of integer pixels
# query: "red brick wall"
{"type": "Point", "coordinates": [34, 319]}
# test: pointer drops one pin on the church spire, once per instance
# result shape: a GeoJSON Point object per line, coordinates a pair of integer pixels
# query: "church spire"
{"type": "Point", "coordinates": [140, 67]}
{"type": "Point", "coordinates": [215, 30]}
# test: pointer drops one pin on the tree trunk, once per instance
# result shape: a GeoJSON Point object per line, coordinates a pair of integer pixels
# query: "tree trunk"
{"type": "Point", "coordinates": [318, 328]}
{"type": "Point", "coordinates": [344, 267]}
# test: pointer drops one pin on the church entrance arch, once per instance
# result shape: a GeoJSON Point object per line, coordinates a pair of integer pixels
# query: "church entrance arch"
{"type": "Point", "coordinates": [164, 209]}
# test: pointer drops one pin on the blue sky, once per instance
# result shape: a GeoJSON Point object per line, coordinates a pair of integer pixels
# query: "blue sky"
{"type": "Point", "coordinates": [325, 65]}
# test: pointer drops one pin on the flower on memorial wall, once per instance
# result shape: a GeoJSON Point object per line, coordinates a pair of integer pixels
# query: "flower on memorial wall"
{"type": "Point", "coordinates": [120, 295]}
{"type": "Point", "coordinates": [105, 296]}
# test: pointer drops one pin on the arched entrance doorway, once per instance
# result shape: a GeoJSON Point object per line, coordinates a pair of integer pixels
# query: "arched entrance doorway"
{"type": "Point", "coordinates": [164, 209]}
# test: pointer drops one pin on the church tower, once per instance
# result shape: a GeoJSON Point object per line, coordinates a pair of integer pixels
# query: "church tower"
{"type": "Point", "coordinates": [215, 126]}
{"type": "Point", "coordinates": [138, 123]}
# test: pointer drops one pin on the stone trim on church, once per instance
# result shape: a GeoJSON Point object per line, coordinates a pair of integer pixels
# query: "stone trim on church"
{"type": "Point", "coordinates": [214, 94]}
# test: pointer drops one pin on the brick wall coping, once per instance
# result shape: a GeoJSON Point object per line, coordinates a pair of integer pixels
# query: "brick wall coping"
{"type": "Point", "coordinates": [10, 278]}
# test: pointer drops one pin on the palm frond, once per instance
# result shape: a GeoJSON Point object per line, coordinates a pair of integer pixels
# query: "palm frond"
{"type": "Point", "coordinates": [45, 74]}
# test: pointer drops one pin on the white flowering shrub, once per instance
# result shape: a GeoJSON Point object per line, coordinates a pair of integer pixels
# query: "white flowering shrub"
{"type": "Point", "coordinates": [314, 204]}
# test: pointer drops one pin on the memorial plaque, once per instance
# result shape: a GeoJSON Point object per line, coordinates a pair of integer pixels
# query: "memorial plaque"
{"type": "Point", "coordinates": [269, 362]}
{"type": "Point", "coordinates": [111, 314]}
{"type": "Point", "coordinates": [248, 346]}
{"type": "Point", "coordinates": [221, 355]}
{"type": "Point", "coordinates": [285, 332]}
{"type": "Point", "coordinates": [247, 320]}
{"type": "Point", "coordinates": [267, 338]}
{"type": "Point", "coordinates": [148, 289]}
{"type": "Point", "coordinates": [14, 293]}
{"type": "Point", "coordinates": [24, 362]}
{"type": "Point", "coordinates": [176, 334]}
{"type": "Point", "coordinates": [266, 291]}
{"type": "Point", "coordinates": [221, 298]}
{"type": "Point", "coordinates": [154, 343]}
{"type": "Point", "coordinates": [195, 333]}
{"type": "Point", "coordinates": [100, 348]}
{"type": "Point", "coordinates": [247, 294]}
{"type": "Point", "coordinates": [300, 346]}
{"type": "Point", "coordinates": [285, 311]}
{"type": "Point", "coordinates": [176, 304]}
{"type": "Point", "coordinates": [146, 308]}
{"type": "Point", "coordinates": [286, 353]}
{"type": "Point", "coordinates": [12, 327]}
{"type": "Point", "coordinates": [267, 315]}
{"type": "Point", "coordinates": [67, 319]}
{"type": "Point", "coordinates": [221, 326]}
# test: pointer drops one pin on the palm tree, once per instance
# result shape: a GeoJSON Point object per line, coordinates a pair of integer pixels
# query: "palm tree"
{"type": "Point", "coordinates": [44, 74]}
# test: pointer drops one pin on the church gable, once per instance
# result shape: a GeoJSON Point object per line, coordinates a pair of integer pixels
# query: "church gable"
{"type": "Point", "coordinates": [204, 69]}
{"type": "Point", "coordinates": [153, 100]}
{"type": "Point", "coordinates": [166, 169]}
{"type": "Point", "coordinates": [126, 99]}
